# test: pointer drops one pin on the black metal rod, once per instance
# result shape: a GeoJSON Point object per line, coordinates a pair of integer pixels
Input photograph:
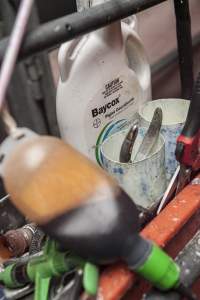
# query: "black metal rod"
{"type": "Point", "coordinates": [184, 40]}
{"type": "Point", "coordinates": [67, 28]}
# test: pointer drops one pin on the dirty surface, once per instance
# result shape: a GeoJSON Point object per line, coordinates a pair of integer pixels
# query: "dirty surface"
{"type": "Point", "coordinates": [116, 280]}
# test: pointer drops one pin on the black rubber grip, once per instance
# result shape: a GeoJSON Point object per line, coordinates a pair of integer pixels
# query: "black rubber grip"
{"type": "Point", "coordinates": [192, 124]}
{"type": "Point", "coordinates": [184, 40]}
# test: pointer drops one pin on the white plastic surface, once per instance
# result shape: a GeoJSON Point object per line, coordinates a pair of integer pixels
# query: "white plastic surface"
{"type": "Point", "coordinates": [11, 142]}
{"type": "Point", "coordinates": [87, 67]}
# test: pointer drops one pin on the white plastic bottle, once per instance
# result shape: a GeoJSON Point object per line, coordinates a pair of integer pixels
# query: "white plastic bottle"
{"type": "Point", "coordinates": [105, 76]}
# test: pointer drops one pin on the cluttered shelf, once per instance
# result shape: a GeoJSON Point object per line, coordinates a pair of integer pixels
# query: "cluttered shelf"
{"type": "Point", "coordinates": [74, 203]}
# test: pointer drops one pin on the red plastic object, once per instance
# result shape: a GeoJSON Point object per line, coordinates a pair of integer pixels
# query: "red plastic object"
{"type": "Point", "coordinates": [190, 156]}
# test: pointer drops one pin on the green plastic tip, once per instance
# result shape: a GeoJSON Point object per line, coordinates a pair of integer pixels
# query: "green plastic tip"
{"type": "Point", "coordinates": [7, 279]}
{"type": "Point", "coordinates": [160, 270]}
{"type": "Point", "coordinates": [90, 279]}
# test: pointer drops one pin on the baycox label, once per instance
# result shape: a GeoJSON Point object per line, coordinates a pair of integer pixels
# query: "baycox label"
{"type": "Point", "coordinates": [104, 108]}
{"type": "Point", "coordinates": [117, 100]}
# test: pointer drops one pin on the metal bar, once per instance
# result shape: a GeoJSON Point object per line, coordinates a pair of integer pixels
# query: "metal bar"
{"type": "Point", "coordinates": [25, 96]}
{"type": "Point", "coordinates": [13, 48]}
{"type": "Point", "coordinates": [67, 28]}
{"type": "Point", "coordinates": [184, 40]}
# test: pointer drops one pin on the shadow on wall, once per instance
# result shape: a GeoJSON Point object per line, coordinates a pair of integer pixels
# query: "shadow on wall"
{"type": "Point", "coordinates": [157, 28]}
{"type": "Point", "coordinates": [167, 83]}
{"type": "Point", "coordinates": [54, 9]}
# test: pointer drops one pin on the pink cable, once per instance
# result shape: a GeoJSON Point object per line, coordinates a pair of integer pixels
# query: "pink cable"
{"type": "Point", "coordinates": [13, 48]}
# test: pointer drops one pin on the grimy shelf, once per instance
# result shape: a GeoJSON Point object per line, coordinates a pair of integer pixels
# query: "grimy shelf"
{"type": "Point", "coordinates": [171, 230]}
{"type": "Point", "coordinates": [180, 220]}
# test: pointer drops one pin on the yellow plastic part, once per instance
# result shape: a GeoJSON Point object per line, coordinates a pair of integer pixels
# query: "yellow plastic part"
{"type": "Point", "coordinates": [46, 177]}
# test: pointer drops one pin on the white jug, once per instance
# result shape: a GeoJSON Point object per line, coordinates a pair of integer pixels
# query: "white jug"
{"type": "Point", "coordinates": [104, 77]}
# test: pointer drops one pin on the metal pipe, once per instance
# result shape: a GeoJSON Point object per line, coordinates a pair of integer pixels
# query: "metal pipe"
{"type": "Point", "coordinates": [14, 47]}
{"type": "Point", "coordinates": [67, 28]}
{"type": "Point", "coordinates": [184, 40]}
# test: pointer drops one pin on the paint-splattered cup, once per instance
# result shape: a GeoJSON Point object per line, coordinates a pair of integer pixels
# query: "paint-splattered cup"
{"type": "Point", "coordinates": [144, 180]}
{"type": "Point", "coordinates": [174, 116]}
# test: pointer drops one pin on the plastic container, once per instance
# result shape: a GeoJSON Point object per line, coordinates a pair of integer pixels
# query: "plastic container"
{"type": "Point", "coordinates": [145, 180]}
{"type": "Point", "coordinates": [174, 116]}
{"type": "Point", "coordinates": [105, 76]}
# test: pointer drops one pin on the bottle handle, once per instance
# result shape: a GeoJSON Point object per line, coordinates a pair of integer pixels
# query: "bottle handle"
{"type": "Point", "coordinates": [137, 59]}
{"type": "Point", "coordinates": [67, 55]}
{"type": "Point", "coordinates": [132, 21]}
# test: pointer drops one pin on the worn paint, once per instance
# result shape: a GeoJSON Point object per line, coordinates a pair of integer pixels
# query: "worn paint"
{"type": "Point", "coordinates": [113, 282]}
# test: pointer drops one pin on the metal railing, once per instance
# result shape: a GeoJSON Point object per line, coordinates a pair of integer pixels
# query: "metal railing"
{"type": "Point", "coordinates": [52, 34]}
